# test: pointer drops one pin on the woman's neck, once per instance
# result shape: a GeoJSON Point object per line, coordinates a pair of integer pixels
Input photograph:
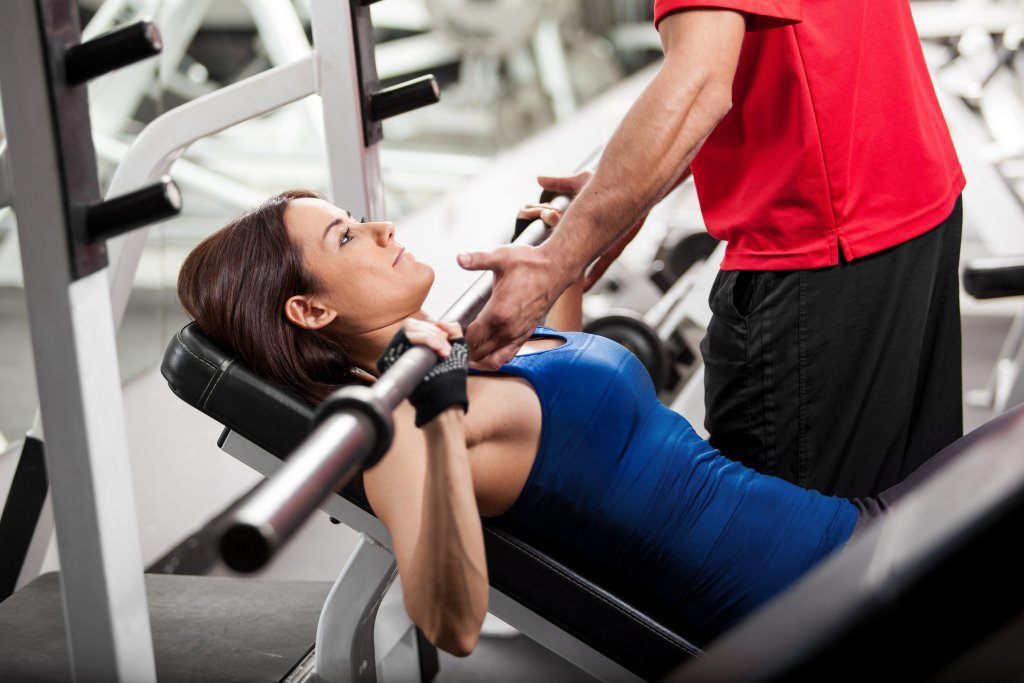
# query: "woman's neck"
{"type": "Point", "coordinates": [366, 347]}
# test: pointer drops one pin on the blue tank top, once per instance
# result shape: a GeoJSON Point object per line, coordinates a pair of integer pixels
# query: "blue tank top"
{"type": "Point", "coordinates": [624, 491]}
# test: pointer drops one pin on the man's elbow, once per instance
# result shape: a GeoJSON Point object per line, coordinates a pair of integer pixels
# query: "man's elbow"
{"type": "Point", "coordinates": [716, 98]}
{"type": "Point", "coordinates": [704, 92]}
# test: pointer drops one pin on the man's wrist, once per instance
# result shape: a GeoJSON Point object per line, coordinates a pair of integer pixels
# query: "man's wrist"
{"type": "Point", "coordinates": [556, 260]}
{"type": "Point", "coordinates": [563, 250]}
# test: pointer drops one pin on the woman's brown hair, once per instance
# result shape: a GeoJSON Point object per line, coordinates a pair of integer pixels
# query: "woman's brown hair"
{"type": "Point", "coordinates": [235, 284]}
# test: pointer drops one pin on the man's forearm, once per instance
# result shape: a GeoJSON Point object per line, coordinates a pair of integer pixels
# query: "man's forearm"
{"type": "Point", "coordinates": [651, 149]}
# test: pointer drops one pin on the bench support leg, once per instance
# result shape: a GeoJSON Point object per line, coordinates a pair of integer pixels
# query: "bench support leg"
{"type": "Point", "coordinates": [403, 653]}
{"type": "Point", "coordinates": [364, 634]}
{"type": "Point", "coordinates": [344, 636]}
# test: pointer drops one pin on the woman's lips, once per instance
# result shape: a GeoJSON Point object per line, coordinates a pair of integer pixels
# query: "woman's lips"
{"type": "Point", "coordinates": [401, 251]}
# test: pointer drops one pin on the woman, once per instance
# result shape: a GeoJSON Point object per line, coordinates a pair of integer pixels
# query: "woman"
{"type": "Point", "coordinates": [567, 445]}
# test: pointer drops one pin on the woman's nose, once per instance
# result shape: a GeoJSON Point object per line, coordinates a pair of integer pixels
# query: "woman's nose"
{"type": "Point", "coordinates": [385, 232]}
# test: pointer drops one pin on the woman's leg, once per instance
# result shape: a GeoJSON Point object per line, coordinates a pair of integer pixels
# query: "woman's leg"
{"type": "Point", "coordinates": [871, 508]}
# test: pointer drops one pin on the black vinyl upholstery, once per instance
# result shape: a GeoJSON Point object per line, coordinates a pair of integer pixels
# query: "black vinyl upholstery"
{"type": "Point", "coordinates": [204, 376]}
{"type": "Point", "coordinates": [995, 278]}
{"type": "Point", "coordinates": [929, 582]}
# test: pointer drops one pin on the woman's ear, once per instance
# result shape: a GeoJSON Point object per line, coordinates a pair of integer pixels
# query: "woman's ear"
{"type": "Point", "coordinates": [308, 313]}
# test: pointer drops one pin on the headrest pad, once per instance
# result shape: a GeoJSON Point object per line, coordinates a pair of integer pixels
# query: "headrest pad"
{"type": "Point", "coordinates": [203, 375]}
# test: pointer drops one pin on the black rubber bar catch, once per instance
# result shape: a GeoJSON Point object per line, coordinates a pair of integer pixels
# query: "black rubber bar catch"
{"type": "Point", "coordinates": [119, 215]}
{"type": "Point", "coordinates": [111, 51]}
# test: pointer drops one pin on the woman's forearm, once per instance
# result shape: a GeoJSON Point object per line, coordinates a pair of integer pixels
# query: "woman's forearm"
{"type": "Point", "coordinates": [446, 585]}
{"type": "Point", "coordinates": [566, 314]}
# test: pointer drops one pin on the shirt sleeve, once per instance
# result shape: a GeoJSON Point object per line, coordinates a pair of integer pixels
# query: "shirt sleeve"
{"type": "Point", "coordinates": [760, 13]}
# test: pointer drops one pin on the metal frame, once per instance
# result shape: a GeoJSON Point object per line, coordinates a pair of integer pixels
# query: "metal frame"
{"type": "Point", "coordinates": [278, 26]}
{"type": "Point", "coordinates": [6, 187]}
{"type": "Point", "coordinates": [947, 19]}
{"type": "Point", "coordinates": [1005, 387]}
{"type": "Point", "coordinates": [73, 321]}
{"type": "Point", "coordinates": [329, 71]}
{"type": "Point", "coordinates": [528, 623]}
{"type": "Point", "coordinates": [73, 344]}
{"type": "Point", "coordinates": [344, 636]}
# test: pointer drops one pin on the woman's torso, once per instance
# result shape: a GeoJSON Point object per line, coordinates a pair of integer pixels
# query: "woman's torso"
{"type": "Point", "coordinates": [573, 450]}
{"type": "Point", "coordinates": [503, 427]}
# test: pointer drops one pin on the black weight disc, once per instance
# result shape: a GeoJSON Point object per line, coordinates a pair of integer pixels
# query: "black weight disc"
{"type": "Point", "coordinates": [677, 255]}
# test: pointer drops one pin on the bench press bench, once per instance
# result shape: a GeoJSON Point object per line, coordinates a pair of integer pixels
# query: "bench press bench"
{"type": "Point", "coordinates": [543, 599]}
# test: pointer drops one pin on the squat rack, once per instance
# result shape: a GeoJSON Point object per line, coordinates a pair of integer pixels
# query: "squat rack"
{"type": "Point", "coordinates": [75, 301]}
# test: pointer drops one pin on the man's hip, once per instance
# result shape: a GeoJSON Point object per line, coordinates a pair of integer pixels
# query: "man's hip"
{"type": "Point", "coordinates": [842, 379]}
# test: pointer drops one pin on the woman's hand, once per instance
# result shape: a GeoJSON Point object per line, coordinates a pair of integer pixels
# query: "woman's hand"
{"type": "Point", "coordinates": [547, 213]}
{"type": "Point", "coordinates": [434, 334]}
{"type": "Point", "coordinates": [444, 386]}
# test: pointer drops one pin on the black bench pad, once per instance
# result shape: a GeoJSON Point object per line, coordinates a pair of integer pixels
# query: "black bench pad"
{"type": "Point", "coordinates": [204, 376]}
{"type": "Point", "coordinates": [204, 628]}
{"type": "Point", "coordinates": [995, 278]}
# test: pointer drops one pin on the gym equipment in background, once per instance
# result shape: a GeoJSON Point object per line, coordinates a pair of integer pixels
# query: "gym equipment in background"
{"type": "Point", "coordinates": [997, 278]}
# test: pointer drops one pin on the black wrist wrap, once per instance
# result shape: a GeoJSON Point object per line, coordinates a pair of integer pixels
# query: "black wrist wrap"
{"type": "Point", "coordinates": [443, 387]}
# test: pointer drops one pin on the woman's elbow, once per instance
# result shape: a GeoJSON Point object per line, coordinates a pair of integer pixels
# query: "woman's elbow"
{"type": "Point", "coordinates": [459, 643]}
{"type": "Point", "coordinates": [454, 632]}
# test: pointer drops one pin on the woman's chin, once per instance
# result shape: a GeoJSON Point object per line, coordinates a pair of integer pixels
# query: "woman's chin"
{"type": "Point", "coordinates": [428, 275]}
{"type": "Point", "coordinates": [424, 281]}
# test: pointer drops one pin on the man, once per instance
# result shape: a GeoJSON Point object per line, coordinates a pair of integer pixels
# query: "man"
{"type": "Point", "coordinates": [821, 156]}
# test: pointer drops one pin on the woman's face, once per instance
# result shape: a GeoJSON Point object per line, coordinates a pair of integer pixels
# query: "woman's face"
{"type": "Point", "coordinates": [365, 276]}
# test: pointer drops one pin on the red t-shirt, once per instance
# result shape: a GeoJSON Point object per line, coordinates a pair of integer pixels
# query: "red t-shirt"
{"type": "Point", "coordinates": [835, 139]}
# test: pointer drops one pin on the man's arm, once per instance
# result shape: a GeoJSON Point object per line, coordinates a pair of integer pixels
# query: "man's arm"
{"type": "Point", "coordinates": [649, 152]}
{"type": "Point", "coordinates": [660, 135]}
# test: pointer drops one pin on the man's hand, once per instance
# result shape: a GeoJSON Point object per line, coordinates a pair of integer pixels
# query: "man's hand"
{"type": "Point", "coordinates": [526, 283]}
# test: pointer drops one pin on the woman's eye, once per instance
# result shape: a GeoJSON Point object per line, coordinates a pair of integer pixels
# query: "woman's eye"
{"type": "Point", "coordinates": [346, 237]}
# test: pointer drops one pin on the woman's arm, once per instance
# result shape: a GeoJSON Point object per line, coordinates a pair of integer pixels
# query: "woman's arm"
{"type": "Point", "coordinates": [423, 492]}
{"type": "Point", "coordinates": [567, 312]}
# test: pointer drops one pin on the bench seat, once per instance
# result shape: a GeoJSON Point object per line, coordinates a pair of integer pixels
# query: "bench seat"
{"type": "Point", "coordinates": [204, 376]}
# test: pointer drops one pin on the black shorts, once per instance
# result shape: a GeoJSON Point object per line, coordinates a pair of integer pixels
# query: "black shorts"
{"type": "Point", "coordinates": [843, 379]}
